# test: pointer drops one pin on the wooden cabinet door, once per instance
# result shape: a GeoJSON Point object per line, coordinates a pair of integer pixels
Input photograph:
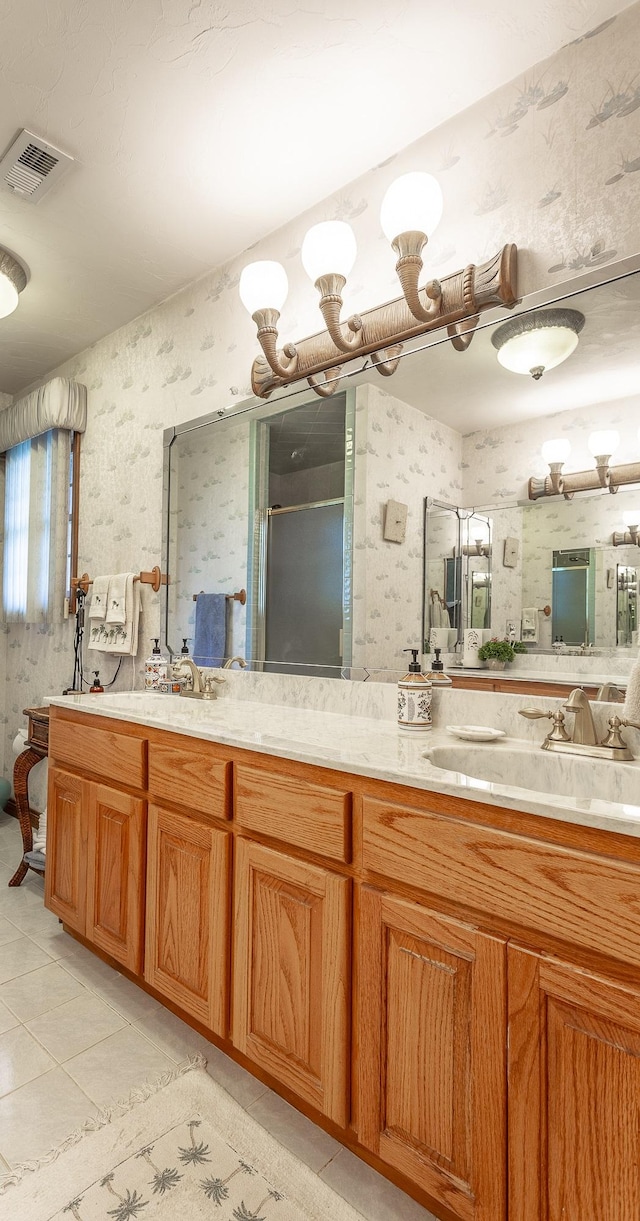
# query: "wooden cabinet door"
{"type": "Point", "coordinates": [67, 830]}
{"type": "Point", "coordinates": [291, 974]}
{"type": "Point", "coordinates": [574, 1094]}
{"type": "Point", "coordinates": [115, 874]}
{"type": "Point", "coordinates": [186, 956]}
{"type": "Point", "coordinates": [431, 1064]}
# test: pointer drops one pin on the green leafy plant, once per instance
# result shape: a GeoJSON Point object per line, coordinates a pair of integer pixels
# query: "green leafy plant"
{"type": "Point", "coordinates": [519, 646]}
{"type": "Point", "coordinates": [499, 650]}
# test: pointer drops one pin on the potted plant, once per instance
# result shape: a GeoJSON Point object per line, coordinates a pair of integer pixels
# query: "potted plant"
{"type": "Point", "coordinates": [496, 653]}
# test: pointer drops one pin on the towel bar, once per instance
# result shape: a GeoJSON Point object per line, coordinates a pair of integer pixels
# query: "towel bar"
{"type": "Point", "coordinates": [240, 596]}
{"type": "Point", "coordinates": [155, 579]}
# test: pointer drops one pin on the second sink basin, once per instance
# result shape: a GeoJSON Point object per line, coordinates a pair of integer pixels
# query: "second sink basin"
{"type": "Point", "coordinates": [538, 771]}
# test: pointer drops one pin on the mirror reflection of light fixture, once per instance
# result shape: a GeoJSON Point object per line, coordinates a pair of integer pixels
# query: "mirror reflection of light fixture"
{"type": "Point", "coordinates": [602, 445]}
{"type": "Point", "coordinates": [533, 343]}
{"type": "Point", "coordinates": [479, 530]}
{"type": "Point", "coordinates": [13, 279]}
{"type": "Point", "coordinates": [411, 210]}
{"type": "Point", "coordinates": [630, 536]}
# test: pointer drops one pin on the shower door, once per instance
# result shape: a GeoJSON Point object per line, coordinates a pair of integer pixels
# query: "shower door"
{"type": "Point", "coordinates": [304, 589]}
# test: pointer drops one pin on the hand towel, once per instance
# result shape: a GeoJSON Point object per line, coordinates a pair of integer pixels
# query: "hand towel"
{"type": "Point", "coordinates": [209, 646]}
{"type": "Point", "coordinates": [116, 599]}
{"type": "Point", "coordinates": [631, 710]}
{"type": "Point", "coordinates": [99, 593]}
{"type": "Point", "coordinates": [118, 638]}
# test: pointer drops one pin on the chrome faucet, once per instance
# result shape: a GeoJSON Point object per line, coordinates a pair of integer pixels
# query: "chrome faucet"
{"type": "Point", "coordinates": [203, 685]}
{"type": "Point", "coordinates": [584, 730]}
{"type": "Point", "coordinates": [240, 660]}
{"type": "Point", "coordinates": [610, 693]}
{"type": "Point", "coordinates": [584, 740]}
{"type": "Point", "coordinates": [193, 670]}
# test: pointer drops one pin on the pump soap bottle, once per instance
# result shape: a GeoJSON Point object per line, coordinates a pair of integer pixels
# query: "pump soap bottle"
{"type": "Point", "coordinates": [155, 668]}
{"type": "Point", "coordinates": [414, 696]}
{"type": "Point", "coordinates": [437, 675]}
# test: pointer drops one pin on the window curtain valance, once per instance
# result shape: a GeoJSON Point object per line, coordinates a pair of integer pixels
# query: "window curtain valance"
{"type": "Point", "coordinates": [58, 404]}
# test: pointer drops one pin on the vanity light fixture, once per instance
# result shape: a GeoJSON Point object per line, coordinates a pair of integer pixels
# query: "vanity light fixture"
{"type": "Point", "coordinates": [630, 536]}
{"type": "Point", "coordinates": [411, 210]}
{"type": "Point", "coordinates": [533, 343]}
{"type": "Point", "coordinates": [13, 279]}
{"type": "Point", "coordinates": [602, 445]}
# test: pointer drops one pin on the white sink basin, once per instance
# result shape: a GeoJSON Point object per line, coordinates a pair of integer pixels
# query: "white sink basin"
{"type": "Point", "coordinates": [542, 771]}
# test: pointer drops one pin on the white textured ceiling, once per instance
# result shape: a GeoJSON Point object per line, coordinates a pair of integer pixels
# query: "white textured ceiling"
{"type": "Point", "coordinates": [199, 127]}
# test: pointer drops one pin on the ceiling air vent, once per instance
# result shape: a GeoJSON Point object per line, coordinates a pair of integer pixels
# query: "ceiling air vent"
{"type": "Point", "coordinates": [31, 165]}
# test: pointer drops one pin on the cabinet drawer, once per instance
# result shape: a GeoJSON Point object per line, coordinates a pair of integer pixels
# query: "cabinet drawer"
{"type": "Point", "coordinates": [100, 752]}
{"type": "Point", "coordinates": [308, 815]}
{"type": "Point", "coordinates": [577, 897]}
{"type": "Point", "coordinates": [191, 776]}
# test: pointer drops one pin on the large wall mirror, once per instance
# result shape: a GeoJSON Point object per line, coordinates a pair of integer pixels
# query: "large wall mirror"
{"type": "Point", "coordinates": [307, 515]}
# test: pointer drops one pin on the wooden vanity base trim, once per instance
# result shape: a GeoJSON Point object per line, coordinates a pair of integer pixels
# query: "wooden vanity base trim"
{"type": "Point", "coordinates": [572, 896]}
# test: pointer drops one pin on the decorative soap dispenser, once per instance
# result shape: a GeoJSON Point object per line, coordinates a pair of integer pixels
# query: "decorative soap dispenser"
{"type": "Point", "coordinates": [155, 668]}
{"type": "Point", "coordinates": [414, 696]}
{"type": "Point", "coordinates": [437, 675]}
{"type": "Point", "coordinates": [96, 687]}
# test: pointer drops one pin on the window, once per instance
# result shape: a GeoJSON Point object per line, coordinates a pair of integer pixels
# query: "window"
{"type": "Point", "coordinates": [40, 526]}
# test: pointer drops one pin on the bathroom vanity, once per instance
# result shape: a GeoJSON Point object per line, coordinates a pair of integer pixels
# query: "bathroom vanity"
{"type": "Point", "coordinates": [445, 977]}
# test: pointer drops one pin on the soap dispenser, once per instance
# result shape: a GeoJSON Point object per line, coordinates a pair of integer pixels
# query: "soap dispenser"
{"type": "Point", "coordinates": [96, 687]}
{"type": "Point", "coordinates": [414, 696]}
{"type": "Point", "coordinates": [155, 668]}
{"type": "Point", "coordinates": [437, 675]}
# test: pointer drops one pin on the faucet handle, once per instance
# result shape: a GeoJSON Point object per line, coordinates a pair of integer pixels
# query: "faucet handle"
{"type": "Point", "coordinates": [558, 733]}
{"type": "Point", "coordinates": [632, 724]}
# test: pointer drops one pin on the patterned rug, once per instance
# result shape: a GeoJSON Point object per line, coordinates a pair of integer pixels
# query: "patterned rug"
{"type": "Point", "coordinates": [180, 1148]}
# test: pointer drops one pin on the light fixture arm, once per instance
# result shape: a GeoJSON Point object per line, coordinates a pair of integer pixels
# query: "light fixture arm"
{"type": "Point", "coordinates": [463, 293]}
{"type": "Point", "coordinates": [387, 362]}
{"type": "Point", "coordinates": [266, 321]}
{"type": "Point", "coordinates": [327, 385]}
{"type": "Point", "coordinates": [330, 288]}
{"type": "Point", "coordinates": [409, 246]}
{"type": "Point", "coordinates": [627, 538]}
{"type": "Point", "coordinates": [604, 476]}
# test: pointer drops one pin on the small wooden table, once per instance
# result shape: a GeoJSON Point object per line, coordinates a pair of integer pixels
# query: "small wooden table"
{"type": "Point", "coordinates": [37, 748]}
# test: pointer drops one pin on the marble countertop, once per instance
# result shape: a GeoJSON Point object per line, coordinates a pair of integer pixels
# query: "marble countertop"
{"type": "Point", "coordinates": [377, 748]}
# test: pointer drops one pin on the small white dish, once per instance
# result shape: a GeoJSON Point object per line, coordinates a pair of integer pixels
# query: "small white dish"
{"type": "Point", "coordinates": [476, 733]}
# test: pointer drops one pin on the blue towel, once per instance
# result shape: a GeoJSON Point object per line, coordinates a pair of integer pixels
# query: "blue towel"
{"type": "Point", "coordinates": [209, 646]}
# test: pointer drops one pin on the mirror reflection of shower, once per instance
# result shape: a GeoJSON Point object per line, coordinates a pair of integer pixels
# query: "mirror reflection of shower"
{"type": "Point", "coordinates": [301, 559]}
{"type": "Point", "coordinates": [627, 620]}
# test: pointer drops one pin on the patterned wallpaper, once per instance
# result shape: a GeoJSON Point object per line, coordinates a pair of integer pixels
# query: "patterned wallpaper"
{"type": "Point", "coordinates": [547, 161]}
{"type": "Point", "coordinates": [401, 455]}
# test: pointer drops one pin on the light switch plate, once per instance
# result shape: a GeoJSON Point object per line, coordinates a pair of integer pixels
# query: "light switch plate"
{"type": "Point", "coordinates": [511, 552]}
{"type": "Point", "coordinates": [395, 522]}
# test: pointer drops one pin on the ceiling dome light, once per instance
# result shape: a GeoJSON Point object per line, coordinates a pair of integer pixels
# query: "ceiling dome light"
{"type": "Point", "coordinates": [412, 202]}
{"type": "Point", "coordinates": [533, 343]}
{"type": "Point", "coordinates": [329, 249]}
{"type": "Point", "coordinates": [13, 279]}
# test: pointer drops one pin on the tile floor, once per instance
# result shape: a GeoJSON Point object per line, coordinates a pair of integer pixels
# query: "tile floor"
{"type": "Point", "coordinates": [75, 1035]}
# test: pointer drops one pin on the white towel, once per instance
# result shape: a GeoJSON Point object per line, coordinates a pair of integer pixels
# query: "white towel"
{"type": "Point", "coordinates": [99, 594]}
{"type": "Point", "coordinates": [116, 600]}
{"type": "Point", "coordinates": [631, 711]}
{"type": "Point", "coordinates": [119, 638]}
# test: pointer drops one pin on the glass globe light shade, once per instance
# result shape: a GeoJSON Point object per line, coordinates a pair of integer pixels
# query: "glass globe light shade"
{"type": "Point", "coordinates": [263, 285]}
{"type": "Point", "coordinates": [603, 443]}
{"type": "Point", "coordinates": [631, 517]}
{"type": "Point", "coordinates": [9, 296]}
{"type": "Point", "coordinates": [413, 201]}
{"type": "Point", "coordinates": [329, 247]}
{"type": "Point", "coordinates": [557, 450]}
{"type": "Point", "coordinates": [479, 530]}
{"type": "Point", "coordinates": [533, 343]}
